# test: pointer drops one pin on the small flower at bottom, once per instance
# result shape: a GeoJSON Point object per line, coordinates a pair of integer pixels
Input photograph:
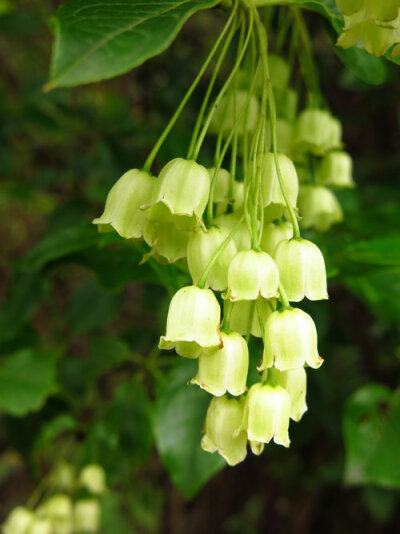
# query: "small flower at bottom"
{"type": "Point", "coordinates": [295, 383]}
{"type": "Point", "coordinates": [290, 341]}
{"type": "Point", "coordinates": [18, 521]}
{"type": "Point", "coordinates": [223, 418]}
{"type": "Point", "coordinates": [87, 515]}
{"type": "Point", "coordinates": [193, 321]}
{"type": "Point", "coordinates": [224, 370]}
{"type": "Point", "coordinates": [266, 415]}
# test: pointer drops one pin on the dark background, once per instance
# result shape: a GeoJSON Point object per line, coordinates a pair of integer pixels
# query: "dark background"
{"type": "Point", "coordinates": [60, 152]}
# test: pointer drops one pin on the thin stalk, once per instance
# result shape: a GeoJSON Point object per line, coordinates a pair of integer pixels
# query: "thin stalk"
{"type": "Point", "coordinates": [157, 146]}
{"type": "Point", "coordinates": [223, 90]}
{"type": "Point", "coordinates": [283, 297]}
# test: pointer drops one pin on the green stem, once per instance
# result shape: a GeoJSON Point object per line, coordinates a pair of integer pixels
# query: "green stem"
{"type": "Point", "coordinates": [211, 85]}
{"type": "Point", "coordinates": [227, 316]}
{"type": "Point", "coordinates": [223, 90]}
{"type": "Point", "coordinates": [220, 249]}
{"type": "Point", "coordinates": [272, 116]}
{"type": "Point", "coordinates": [157, 146]}
{"type": "Point", "coordinates": [306, 60]}
{"type": "Point", "coordinates": [283, 297]}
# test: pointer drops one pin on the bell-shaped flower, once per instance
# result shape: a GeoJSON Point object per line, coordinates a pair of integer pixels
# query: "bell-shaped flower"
{"type": "Point", "coordinates": [183, 187]}
{"type": "Point", "coordinates": [252, 274]}
{"type": "Point", "coordinates": [336, 169]}
{"type": "Point", "coordinates": [20, 519]}
{"type": "Point", "coordinates": [290, 341]}
{"type": "Point", "coordinates": [58, 509]}
{"type": "Point", "coordinates": [40, 525]}
{"type": "Point", "coordinates": [375, 35]}
{"type": "Point", "coordinates": [273, 234]}
{"type": "Point", "coordinates": [122, 210]}
{"type": "Point", "coordinates": [64, 476]}
{"type": "Point", "coordinates": [87, 515]}
{"type": "Point", "coordinates": [93, 478]}
{"type": "Point", "coordinates": [295, 383]}
{"type": "Point", "coordinates": [301, 269]}
{"type": "Point", "coordinates": [166, 240]}
{"type": "Point", "coordinates": [238, 196]}
{"type": "Point", "coordinates": [223, 418]}
{"type": "Point", "coordinates": [273, 212]}
{"type": "Point", "coordinates": [316, 131]}
{"type": "Point", "coordinates": [224, 370]}
{"type": "Point", "coordinates": [266, 414]}
{"type": "Point", "coordinates": [241, 237]}
{"type": "Point", "coordinates": [230, 108]}
{"type": "Point", "coordinates": [201, 248]}
{"type": "Point", "coordinates": [279, 72]}
{"type": "Point", "coordinates": [250, 316]}
{"type": "Point", "coordinates": [193, 322]}
{"type": "Point", "coordinates": [271, 190]}
{"type": "Point", "coordinates": [319, 208]}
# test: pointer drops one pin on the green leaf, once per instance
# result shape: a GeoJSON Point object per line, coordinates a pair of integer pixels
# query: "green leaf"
{"type": "Point", "coordinates": [380, 290]}
{"type": "Point", "coordinates": [382, 252]}
{"type": "Point", "coordinates": [59, 244]}
{"type": "Point", "coordinates": [21, 303]}
{"type": "Point", "coordinates": [371, 428]}
{"type": "Point", "coordinates": [27, 378]}
{"type": "Point", "coordinates": [51, 430]}
{"type": "Point", "coordinates": [106, 352]}
{"type": "Point", "coordinates": [94, 41]}
{"type": "Point", "coordinates": [179, 416]}
{"type": "Point", "coordinates": [90, 307]}
{"type": "Point", "coordinates": [368, 68]}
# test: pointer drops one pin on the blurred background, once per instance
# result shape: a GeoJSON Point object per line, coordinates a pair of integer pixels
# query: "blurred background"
{"type": "Point", "coordinates": [80, 379]}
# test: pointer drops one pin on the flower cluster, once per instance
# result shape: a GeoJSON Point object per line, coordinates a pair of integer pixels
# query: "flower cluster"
{"type": "Point", "coordinates": [237, 231]}
{"type": "Point", "coordinates": [376, 24]}
{"type": "Point", "coordinates": [60, 513]}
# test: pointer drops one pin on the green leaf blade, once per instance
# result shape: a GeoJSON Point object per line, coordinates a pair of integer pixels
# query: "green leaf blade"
{"type": "Point", "coordinates": [99, 41]}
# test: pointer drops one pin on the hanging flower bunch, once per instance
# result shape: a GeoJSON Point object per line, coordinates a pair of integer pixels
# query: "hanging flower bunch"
{"type": "Point", "coordinates": [236, 227]}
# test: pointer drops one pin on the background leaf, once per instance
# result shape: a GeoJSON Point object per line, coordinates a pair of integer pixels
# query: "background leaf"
{"type": "Point", "coordinates": [27, 378]}
{"type": "Point", "coordinates": [101, 40]}
{"type": "Point", "coordinates": [179, 416]}
{"type": "Point", "coordinates": [368, 68]}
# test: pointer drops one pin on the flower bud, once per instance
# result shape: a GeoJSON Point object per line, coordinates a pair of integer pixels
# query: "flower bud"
{"type": "Point", "coordinates": [18, 521]}
{"type": "Point", "coordinates": [122, 210]}
{"type": "Point", "coordinates": [295, 383]}
{"type": "Point", "coordinates": [193, 321]}
{"type": "Point", "coordinates": [183, 187]}
{"type": "Point", "coordinates": [271, 191]}
{"type": "Point", "coordinates": [166, 240]}
{"type": "Point", "coordinates": [290, 341]}
{"type": "Point", "coordinates": [241, 238]}
{"type": "Point", "coordinates": [87, 515]}
{"type": "Point", "coordinates": [252, 274]}
{"type": "Point", "coordinates": [319, 208]}
{"type": "Point", "coordinates": [273, 234]}
{"type": "Point", "coordinates": [93, 478]}
{"type": "Point", "coordinates": [40, 526]}
{"type": "Point", "coordinates": [267, 415]}
{"type": "Point", "coordinates": [224, 370]}
{"type": "Point", "coordinates": [58, 509]}
{"type": "Point", "coordinates": [202, 246]}
{"type": "Point", "coordinates": [229, 109]}
{"type": "Point", "coordinates": [317, 131]}
{"type": "Point", "coordinates": [336, 169]}
{"type": "Point", "coordinates": [222, 421]}
{"type": "Point", "coordinates": [301, 269]}
{"type": "Point", "coordinates": [256, 311]}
